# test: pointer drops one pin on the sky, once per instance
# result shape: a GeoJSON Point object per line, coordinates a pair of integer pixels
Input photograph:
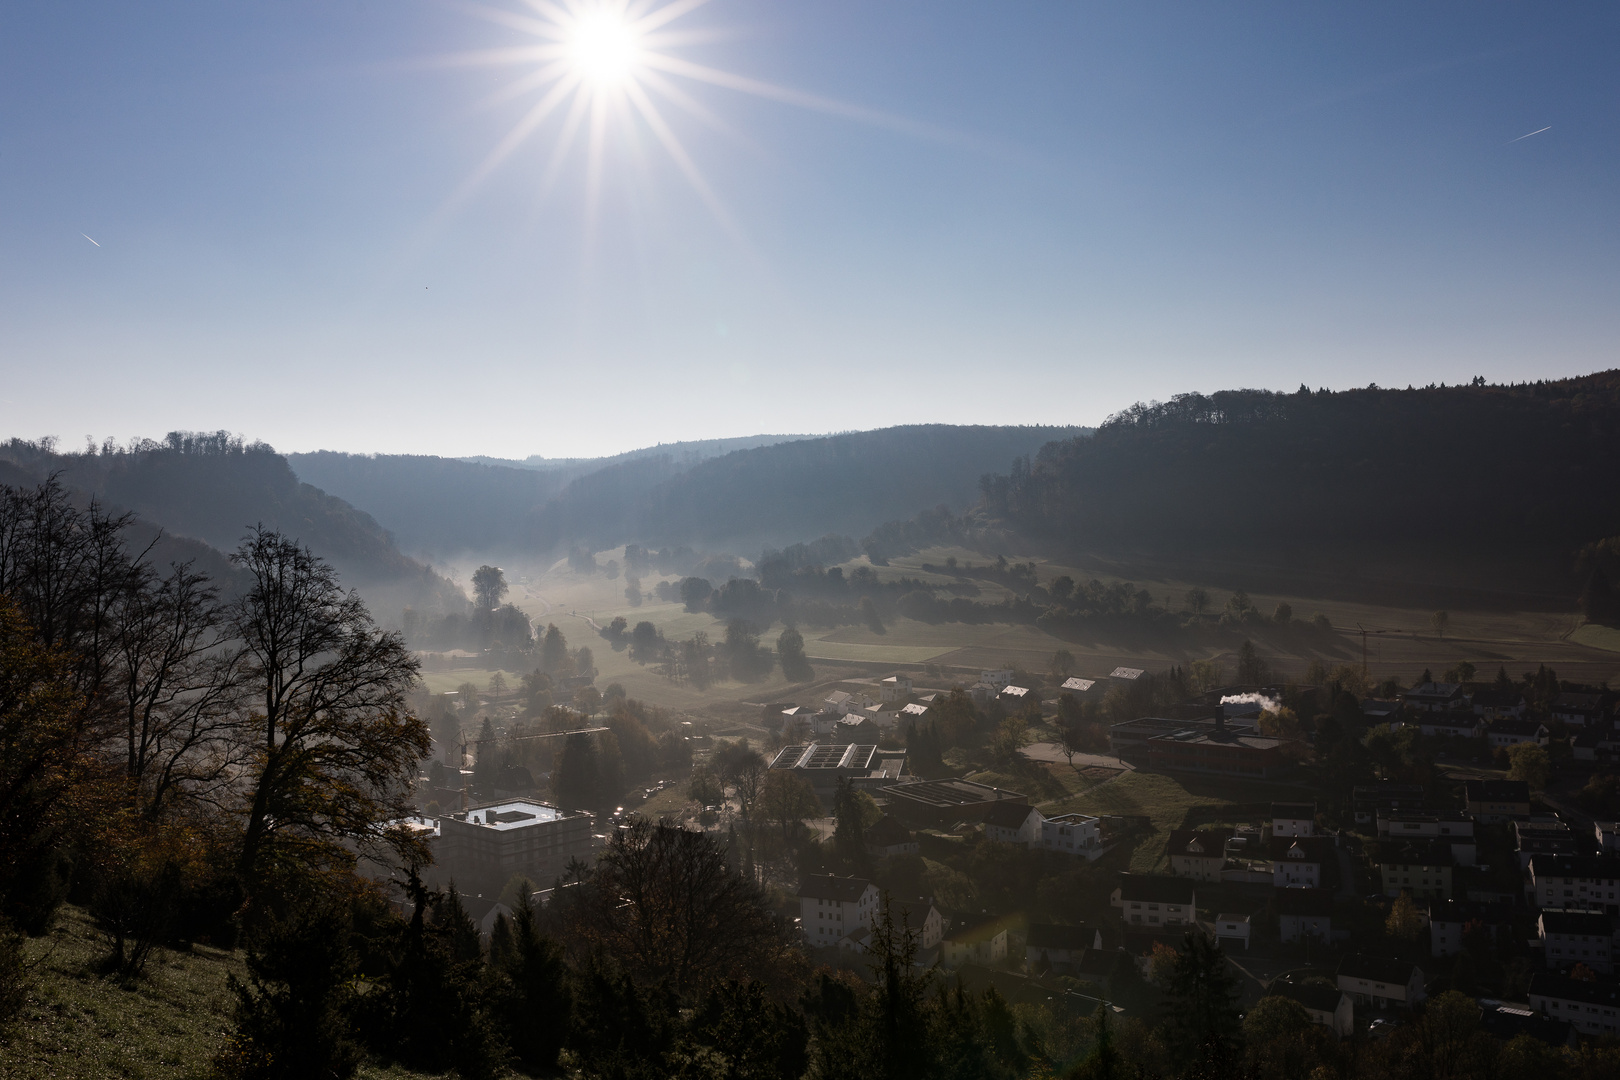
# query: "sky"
{"type": "Point", "coordinates": [281, 219]}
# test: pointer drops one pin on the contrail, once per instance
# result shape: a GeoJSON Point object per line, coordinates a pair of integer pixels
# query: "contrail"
{"type": "Point", "coordinates": [88, 238]}
{"type": "Point", "coordinates": [1538, 131]}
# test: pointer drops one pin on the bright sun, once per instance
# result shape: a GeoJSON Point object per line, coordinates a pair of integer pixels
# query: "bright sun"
{"type": "Point", "coordinates": [602, 45]}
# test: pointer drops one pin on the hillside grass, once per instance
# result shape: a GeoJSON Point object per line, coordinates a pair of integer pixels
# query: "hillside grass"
{"type": "Point", "coordinates": [166, 1025]}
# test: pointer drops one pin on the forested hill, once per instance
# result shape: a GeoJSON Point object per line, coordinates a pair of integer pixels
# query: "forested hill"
{"type": "Point", "coordinates": [211, 488]}
{"type": "Point", "coordinates": [1509, 475]}
{"type": "Point", "coordinates": [775, 494]}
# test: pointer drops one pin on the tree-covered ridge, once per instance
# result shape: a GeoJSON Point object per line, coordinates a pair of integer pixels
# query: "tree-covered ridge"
{"type": "Point", "coordinates": [1476, 470]}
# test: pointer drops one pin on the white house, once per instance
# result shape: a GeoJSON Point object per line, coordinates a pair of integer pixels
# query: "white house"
{"type": "Point", "coordinates": [1324, 1004]}
{"type": "Point", "coordinates": [1576, 937]}
{"type": "Point", "coordinates": [1013, 823]}
{"type": "Point", "coordinates": [1129, 674]}
{"type": "Point", "coordinates": [1608, 835]}
{"type": "Point", "coordinates": [1078, 686]}
{"type": "Point", "coordinates": [1048, 946]}
{"type": "Point", "coordinates": [1381, 982]}
{"type": "Point", "coordinates": [1013, 696]}
{"type": "Point", "coordinates": [1576, 709]}
{"type": "Point", "coordinates": [1592, 1007]}
{"type": "Point", "coordinates": [1449, 918]}
{"type": "Point", "coordinates": [998, 677]}
{"type": "Point", "coordinates": [1200, 855]}
{"type": "Point", "coordinates": [1451, 725]}
{"type": "Point", "coordinates": [832, 906]}
{"type": "Point", "coordinates": [1304, 913]}
{"type": "Point", "coordinates": [1296, 862]}
{"type": "Point", "coordinates": [1586, 881]}
{"type": "Point", "coordinates": [1293, 819]}
{"type": "Point", "coordinates": [895, 688]}
{"type": "Point", "coordinates": [1505, 733]}
{"type": "Point", "coordinates": [1230, 927]}
{"type": "Point", "coordinates": [1072, 834]}
{"type": "Point", "coordinates": [917, 914]}
{"type": "Point", "coordinates": [1155, 901]}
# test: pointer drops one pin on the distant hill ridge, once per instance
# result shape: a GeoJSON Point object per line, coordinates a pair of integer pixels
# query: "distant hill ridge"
{"type": "Point", "coordinates": [788, 490]}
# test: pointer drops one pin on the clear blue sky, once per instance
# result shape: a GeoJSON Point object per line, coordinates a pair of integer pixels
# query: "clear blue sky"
{"type": "Point", "coordinates": [1056, 210]}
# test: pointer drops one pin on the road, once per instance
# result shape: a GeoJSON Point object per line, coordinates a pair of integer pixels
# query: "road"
{"type": "Point", "coordinates": [1045, 751]}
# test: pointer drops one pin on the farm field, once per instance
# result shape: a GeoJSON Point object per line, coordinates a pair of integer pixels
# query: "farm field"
{"type": "Point", "coordinates": [1400, 642]}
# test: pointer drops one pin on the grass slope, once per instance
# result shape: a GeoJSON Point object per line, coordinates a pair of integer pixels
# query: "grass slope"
{"type": "Point", "coordinates": [165, 1026]}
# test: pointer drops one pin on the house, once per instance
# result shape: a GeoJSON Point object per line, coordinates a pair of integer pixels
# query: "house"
{"type": "Point", "coordinates": [1296, 861]}
{"type": "Point", "coordinates": [1128, 674]}
{"type": "Point", "coordinates": [1060, 949]}
{"type": "Point", "coordinates": [1078, 686]}
{"type": "Point", "coordinates": [1199, 855]}
{"type": "Point", "coordinates": [1013, 823]}
{"type": "Point", "coordinates": [998, 677]}
{"type": "Point", "coordinates": [919, 915]}
{"type": "Point", "coordinates": [1506, 1022]}
{"type": "Point", "coordinates": [1594, 744]}
{"type": "Point", "coordinates": [854, 729]}
{"type": "Point", "coordinates": [889, 838]}
{"type": "Point", "coordinates": [983, 693]}
{"type": "Point", "coordinates": [1229, 927]}
{"type": "Point", "coordinates": [1381, 710]}
{"type": "Point", "coordinates": [1494, 704]}
{"type": "Point", "coordinates": [1304, 913]}
{"type": "Point", "coordinates": [1455, 829]}
{"type": "Point", "coordinates": [1293, 819]}
{"type": "Point", "coordinates": [1433, 697]}
{"type": "Point", "coordinates": [1577, 709]}
{"type": "Point", "coordinates": [1591, 1006]}
{"type": "Point", "coordinates": [913, 713]}
{"type": "Point", "coordinates": [1072, 834]}
{"type": "Point", "coordinates": [1417, 867]}
{"type": "Point", "coordinates": [1369, 800]}
{"type": "Point", "coordinates": [1014, 696]}
{"type": "Point", "coordinates": [1608, 835]}
{"type": "Point", "coordinates": [894, 688]}
{"type": "Point", "coordinates": [1151, 901]}
{"type": "Point", "coordinates": [1129, 736]}
{"type": "Point", "coordinates": [825, 764]}
{"type": "Point", "coordinates": [1323, 1002]}
{"type": "Point", "coordinates": [1491, 801]}
{"type": "Point", "coordinates": [1381, 982]}
{"type": "Point", "coordinates": [1504, 733]}
{"type": "Point", "coordinates": [1448, 919]}
{"type": "Point", "coordinates": [481, 848]}
{"type": "Point", "coordinates": [1566, 881]}
{"type": "Point", "coordinates": [839, 702]}
{"type": "Point", "coordinates": [1451, 725]}
{"type": "Point", "coordinates": [1543, 835]}
{"type": "Point", "coordinates": [980, 940]}
{"type": "Point", "coordinates": [939, 804]}
{"type": "Point", "coordinates": [1576, 937]}
{"type": "Point", "coordinates": [484, 912]}
{"type": "Point", "coordinates": [831, 907]}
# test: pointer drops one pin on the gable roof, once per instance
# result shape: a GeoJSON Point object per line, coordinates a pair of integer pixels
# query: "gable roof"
{"type": "Point", "coordinates": [1318, 996]}
{"type": "Point", "coordinates": [1298, 849]}
{"type": "Point", "coordinates": [1588, 866]}
{"type": "Point", "coordinates": [829, 887]}
{"type": "Point", "coordinates": [1008, 815]}
{"type": "Point", "coordinates": [1554, 921]}
{"type": "Point", "coordinates": [1382, 969]}
{"type": "Point", "coordinates": [1547, 984]}
{"type": "Point", "coordinates": [888, 831]}
{"type": "Point", "coordinates": [1155, 889]}
{"type": "Point", "coordinates": [1053, 936]}
{"type": "Point", "coordinates": [1497, 791]}
{"type": "Point", "coordinates": [1198, 843]}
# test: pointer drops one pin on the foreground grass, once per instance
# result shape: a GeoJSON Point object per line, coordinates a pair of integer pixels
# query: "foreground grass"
{"type": "Point", "coordinates": [78, 1023]}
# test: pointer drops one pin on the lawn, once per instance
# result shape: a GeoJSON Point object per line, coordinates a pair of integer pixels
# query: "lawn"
{"type": "Point", "coordinates": [167, 1025]}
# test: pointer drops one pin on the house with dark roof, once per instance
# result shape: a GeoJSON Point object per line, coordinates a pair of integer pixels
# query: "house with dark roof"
{"type": "Point", "coordinates": [1507, 733]}
{"type": "Point", "coordinates": [1152, 901]}
{"type": "Point", "coordinates": [1456, 724]}
{"type": "Point", "coordinates": [1507, 1022]}
{"type": "Point", "coordinates": [1494, 704]}
{"type": "Point", "coordinates": [1304, 913]}
{"type": "Point", "coordinates": [1569, 881]}
{"type": "Point", "coordinates": [975, 940]}
{"type": "Point", "coordinates": [1232, 926]}
{"type": "Point", "coordinates": [1448, 919]}
{"type": "Point", "coordinates": [1593, 1007]}
{"type": "Point", "coordinates": [1544, 835]}
{"type": "Point", "coordinates": [1198, 854]}
{"type": "Point", "coordinates": [1576, 937]}
{"type": "Point", "coordinates": [1387, 796]}
{"type": "Point", "coordinates": [1059, 949]}
{"type": "Point", "coordinates": [1296, 861]}
{"type": "Point", "coordinates": [1381, 982]}
{"type": "Point", "coordinates": [1013, 823]}
{"type": "Point", "coordinates": [1323, 1002]}
{"type": "Point", "coordinates": [1436, 697]}
{"type": "Point", "coordinates": [1419, 868]}
{"type": "Point", "coordinates": [831, 906]}
{"type": "Point", "coordinates": [1293, 819]}
{"type": "Point", "coordinates": [1490, 801]}
{"type": "Point", "coordinates": [1578, 709]}
{"type": "Point", "coordinates": [889, 837]}
{"type": "Point", "coordinates": [1455, 829]}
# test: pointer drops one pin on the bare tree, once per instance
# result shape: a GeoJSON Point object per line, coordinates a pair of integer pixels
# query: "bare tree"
{"type": "Point", "coordinates": [173, 680]}
{"type": "Point", "coordinates": [333, 743]}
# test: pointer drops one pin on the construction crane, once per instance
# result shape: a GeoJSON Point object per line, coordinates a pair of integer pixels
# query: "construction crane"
{"type": "Point", "coordinates": [466, 742]}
